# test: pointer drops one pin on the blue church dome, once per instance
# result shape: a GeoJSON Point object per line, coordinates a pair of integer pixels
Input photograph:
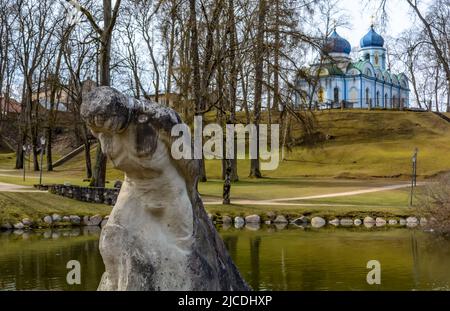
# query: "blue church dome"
{"type": "Point", "coordinates": [336, 44]}
{"type": "Point", "coordinates": [372, 39]}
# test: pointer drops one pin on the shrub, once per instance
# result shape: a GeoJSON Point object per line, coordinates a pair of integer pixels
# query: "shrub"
{"type": "Point", "coordinates": [435, 204]}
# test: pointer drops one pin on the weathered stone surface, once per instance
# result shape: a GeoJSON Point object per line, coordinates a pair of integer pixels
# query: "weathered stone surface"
{"type": "Point", "coordinates": [280, 219]}
{"type": "Point", "coordinates": [423, 221]}
{"type": "Point", "coordinates": [302, 220]}
{"type": "Point", "coordinates": [239, 220]}
{"type": "Point", "coordinates": [334, 222]}
{"type": "Point", "coordinates": [48, 219]}
{"type": "Point", "coordinates": [253, 219]}
{"type": "Point", "coordinates": [27, 222]}
{"type": "Point", "coordinates": [380, 221]}
{"type": "Point", "coordinates": [346, 222]}
{"type": "Point", "coordinates": [6, 226]}
{"type": "Point", "coordinates": [318, 222]}
{"type": "Point", "coordinates": [271, 215]}
{"type": "Point", "coordinates": [66, 219]}
{"type": "Point", "coordinates": [357, 222]}
{"type": "Point", "coordinates": [158, 236]}
{"type": "Point", "coordinates": [95, 220]}
{"type": "Point", "coordinates": [74, 219]}
{"type": "Point", "coordinates": [85, 220]}
{"type": "Point", "coordinates": [103, 223]}
{"type": "Point", "coordinates": [411, 220]}
{"type": "Point", "coordinates": [56, 218]}
{"type": "Point", "coordinates": [226, 219]}
{"type": "Point", "coordinates": [19, 225]}
{"type": "Point", "coordinates": [402, 221]}
{"type": "Point", "coordinates": [369, 220]}
{"type": "Point", "coordinates": [393, 222]}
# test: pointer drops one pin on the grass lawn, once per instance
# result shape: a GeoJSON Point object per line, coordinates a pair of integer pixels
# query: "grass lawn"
{"type": "Point", "coordinates": [14, 206]}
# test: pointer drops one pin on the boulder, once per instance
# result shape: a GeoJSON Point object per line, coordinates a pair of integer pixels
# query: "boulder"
{"type": "Point", "coordinates": [56, 218]}
{"type": "Point", "coordinates": [302, 220]}
{"type": "Point", "coordinates": [318, 222]}
{"type": "Point", "coordinates": [48, 219]}
{"type": "Point", "coordinates": [346, 222]}
{"type": "Point", "coordinates": [402, 221]}
{"type": "Point", "coordinates": [103, 223]}
{"type": "Point", "coordinates": [380, 221]}
{"type": "Point", "coordinates": [334, 222]}
{"type": "Point", "coordinates": [239, 220]}
{"type": "Point", "coordinates": [392, 222]}
{"type": "Point", "coordinates": [412, 220]}
{"type": "Point", "coordinates": [19, 225]}
{"type": "Point", "coordinates": [27, 222]}
{"type": "Point", "coordinates": [423, 221]}
{"type": "Point", "coordinates": [66, 219]}
{"type": "Point", "coordinates": [280, 219]}
{"type": "Point", "coordinates": [357, 222]}
{"type": "Point", "coordinates": [226, 219]}
{"type": "Point", "coordinates": [6, 226]}
{"type": "Point", "coordinates": [95, 220]}
{"type": "Point", "coordinates": [75, 220]}
{"type": "Point", "coordinates": [254, 219]}
{"type": "Point", "coordinates": [369, 220]}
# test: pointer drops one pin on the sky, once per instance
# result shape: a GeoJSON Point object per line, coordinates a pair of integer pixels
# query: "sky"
{"type": "Point", "coordinates": [361, 11]}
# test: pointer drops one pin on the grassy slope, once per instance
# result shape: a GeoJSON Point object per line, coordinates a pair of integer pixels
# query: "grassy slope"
{"type": "Point", "coordinates": [365, 144]}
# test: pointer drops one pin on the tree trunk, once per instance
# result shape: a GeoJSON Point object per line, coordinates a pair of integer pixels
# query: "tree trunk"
{"type": "Point", "coordinates": [259, 75]}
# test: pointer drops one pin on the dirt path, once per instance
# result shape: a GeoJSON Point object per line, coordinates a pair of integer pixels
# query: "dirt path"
{"type": "Point", "coordinates": [285, 201]}
{"type": "Point", "coordinates": [5, 187]}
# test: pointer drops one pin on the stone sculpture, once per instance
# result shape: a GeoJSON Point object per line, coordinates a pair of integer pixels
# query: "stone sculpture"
{"type": "Point", "coordinates": [158, 236]}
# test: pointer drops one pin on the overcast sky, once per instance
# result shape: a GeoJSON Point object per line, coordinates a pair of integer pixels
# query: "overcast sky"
{"type": "Point", "coordinates": [361, 11]}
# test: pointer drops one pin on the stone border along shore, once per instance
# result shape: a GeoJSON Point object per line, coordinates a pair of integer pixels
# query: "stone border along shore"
{"type": "Point", "coordinates": [56, 220]}
{"type": "Point", "coordinates": [86, 194]}
{"type": "Point", "coordinates": [317, 222]}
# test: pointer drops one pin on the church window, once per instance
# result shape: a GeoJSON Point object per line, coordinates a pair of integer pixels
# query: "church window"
{"type": "Point", "coordinates": [336, 95]}
{"type": "Point", "coordinates": [385, 100]}
{"type": "Point", "coordinates": [367, 97]}
{"type": "Point", "coordinates": [367, 56]}
{"type": "Point", "coordinates": [378, 98]}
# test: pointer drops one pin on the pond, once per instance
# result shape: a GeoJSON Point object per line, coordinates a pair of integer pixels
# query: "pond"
{"type": "Point", "coordinates": [269, 258]}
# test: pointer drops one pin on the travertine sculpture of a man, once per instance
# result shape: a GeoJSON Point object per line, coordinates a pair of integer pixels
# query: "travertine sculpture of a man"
{"type": "Point", "coordinates": [158, 236]}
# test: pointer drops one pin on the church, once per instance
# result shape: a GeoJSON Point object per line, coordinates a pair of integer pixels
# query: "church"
{"type": "Point", "coordinates": [340, 82]}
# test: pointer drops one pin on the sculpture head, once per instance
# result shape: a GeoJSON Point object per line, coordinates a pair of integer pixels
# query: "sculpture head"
{"type": "Point", "coordinates": [134, 134]}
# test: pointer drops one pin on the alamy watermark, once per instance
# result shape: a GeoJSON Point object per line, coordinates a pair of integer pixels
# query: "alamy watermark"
{"type": "Point", "coordinates": [213, 147]}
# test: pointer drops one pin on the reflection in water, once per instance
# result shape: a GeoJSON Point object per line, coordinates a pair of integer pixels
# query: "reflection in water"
{"type": "Point", "coordinates": [269, 259]}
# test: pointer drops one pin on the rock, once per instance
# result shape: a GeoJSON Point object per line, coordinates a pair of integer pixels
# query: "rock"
{"type": "Point", "coordinates": [423, 221]}
{"type": "Point", "coordinates": [334, 222]}
{"type": "Point", "coordinates": [280, 219]}
{"type": "Point", "coordinates": [85, 220]}
{"type": "Point", "coordinates": [412, 224]}
{"type": "Point", "coordinates": [302, 220]}
{"type": "Point", "coordinates": [357, 222]}
{"type": "Point", "coordinates": [268, 222]}
{"type": "Point", "coordinates": [412, 220]}
{"type": "Point", "coordinates": [346, 222]}
{"type": "Point", "coordinates": [369, 220]}
{"type": "Point", "coordinates": [66, 219]}
{"type": "Point", "coordinates": [254, 219]}
{"type": "Point", "coordinates": [380, 221]}
{"type": "Point", "coordinates": [369, 225]}
{"type": "Point", "coordinates": [271, 215]}
{"type": "Point", "coordinates": [103, 223]}
{"type": "Point", "coordinates": [56, 218]}
{"type": "Point", "coordinates": [392, 222]}
{"type": "Point", "coordinates": [48, 219]}
{"type": "Point", "coordinates": [402, 221]}
{"type": "Point", "coordinates": [118, 184]}
{"type": "Point", "coordinates": [318, 222]}
{"type": "Point", "coordinates": [19, 225]}
{"type": "Point", "coordinates": [239, 220]}
{"type": "Point", "coordinates": [27, 222]}
{"type": "Point", "coordinates": [74, 219]}
{"type": "Point", "coordinates": [95, 220]}
{"type": "Point", "coordinates": [226, 220]}
{"type": "Point", "coordinates": [6, 226]}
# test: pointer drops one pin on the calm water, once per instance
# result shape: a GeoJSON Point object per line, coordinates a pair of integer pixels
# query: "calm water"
{"type": "Point", "coordinates": [269, 259]}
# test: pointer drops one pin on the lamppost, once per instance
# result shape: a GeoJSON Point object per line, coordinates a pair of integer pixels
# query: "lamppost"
{"type": "Point", "coordinates": [26, 150]}
{"type": "Point", "coordinates": [413, 175]}
{"type": "Point", "coordinates": [42, 141]}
